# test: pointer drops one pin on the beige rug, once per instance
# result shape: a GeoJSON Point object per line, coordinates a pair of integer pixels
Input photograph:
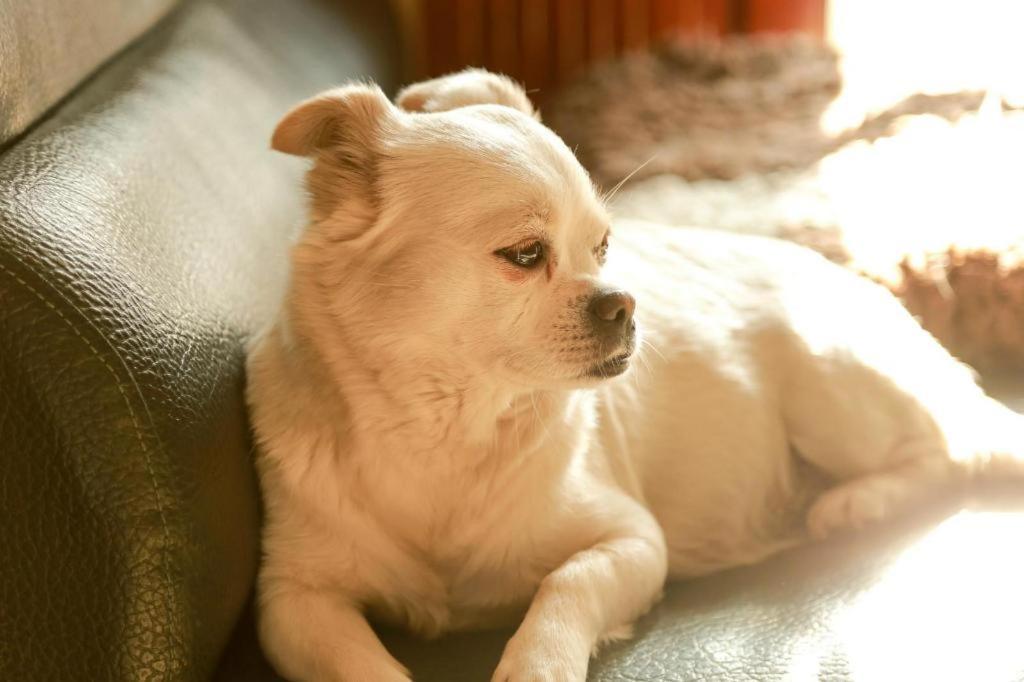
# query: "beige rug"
{"type": "Point", "coordinates": [923, 196]}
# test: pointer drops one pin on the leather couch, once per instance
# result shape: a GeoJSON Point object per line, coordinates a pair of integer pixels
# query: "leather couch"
{"type": "Point", "coordinates": [143, 229]}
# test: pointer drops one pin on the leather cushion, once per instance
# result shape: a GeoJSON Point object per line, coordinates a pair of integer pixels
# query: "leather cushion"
{"type": "Point", "coordinates": [47, 47]}
{"type": "Point", "coordinates": [143, 238]}
{"type": "Point", "coordinates": [926, 599]}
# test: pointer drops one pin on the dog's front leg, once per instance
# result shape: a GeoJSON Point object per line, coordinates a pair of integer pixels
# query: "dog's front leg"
{"type": "Point", "coordinates": [594, 596]}
{"type": "Point", "coordinates": [319, 636]}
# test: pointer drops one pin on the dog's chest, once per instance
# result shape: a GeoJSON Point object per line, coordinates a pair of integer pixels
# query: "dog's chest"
{"type": "Point", "coordinates": [462, 576]}
{"type": "Point", "coordinates": [473, 546]}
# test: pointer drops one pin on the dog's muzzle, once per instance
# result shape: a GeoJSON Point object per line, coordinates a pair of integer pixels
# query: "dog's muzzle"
{"type": "Point", "coordinates": [610, 315]}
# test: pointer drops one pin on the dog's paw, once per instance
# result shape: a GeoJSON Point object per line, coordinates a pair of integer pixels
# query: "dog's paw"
{"type": "Point", "coordinates": [851, 506]}
{"type": "Point", "coordinates": [532, 658]}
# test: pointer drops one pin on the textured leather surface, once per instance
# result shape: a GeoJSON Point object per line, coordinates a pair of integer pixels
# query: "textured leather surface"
{"type": "Point", "coordinates": [47, 47]}
{"type": "Point", "coordinates": [143, 230]}
{"type": "Point", "coordinates": [938, 599]}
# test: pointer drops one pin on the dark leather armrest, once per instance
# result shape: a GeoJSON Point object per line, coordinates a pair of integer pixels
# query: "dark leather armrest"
{"type": "Point", "coordinates": [143, 231]}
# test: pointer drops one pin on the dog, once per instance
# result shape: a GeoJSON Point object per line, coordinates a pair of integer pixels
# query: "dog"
{"type": "Point", "coordinates": [465, 416]}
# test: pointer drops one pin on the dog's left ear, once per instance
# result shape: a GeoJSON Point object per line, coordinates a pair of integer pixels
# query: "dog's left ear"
{"type": "Point", "coordinates": [346, 119]}
{"type": "Point", "coordinates": [462, 89]}
{"type": "Point", "coordinates": [343, 130]}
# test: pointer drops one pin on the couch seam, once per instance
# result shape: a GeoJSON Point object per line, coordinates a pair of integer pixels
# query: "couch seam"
{"type": "Point", "coordinates": [55, 108]}
{"type": "Point", "coordinates": [121, 389]}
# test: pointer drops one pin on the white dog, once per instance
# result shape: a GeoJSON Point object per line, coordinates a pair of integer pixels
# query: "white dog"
{"type": "Point", "coordinates": [442, 443]}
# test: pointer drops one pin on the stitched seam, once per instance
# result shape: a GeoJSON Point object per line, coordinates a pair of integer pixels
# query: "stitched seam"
{"type": "Point", "coordinates": [124, 394]}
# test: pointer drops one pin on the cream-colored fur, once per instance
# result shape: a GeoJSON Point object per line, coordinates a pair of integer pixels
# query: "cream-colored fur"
{"type": "Point", "coordinates": [434, 451]}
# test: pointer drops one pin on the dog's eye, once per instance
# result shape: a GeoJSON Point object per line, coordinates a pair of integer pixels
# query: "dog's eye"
{"type": "Point", "coordinates": [601, 252]}
{"type": "Point", "coordinates": [527, 255]}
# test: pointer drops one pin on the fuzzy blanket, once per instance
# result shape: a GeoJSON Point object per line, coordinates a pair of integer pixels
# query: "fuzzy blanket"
{"type": "Point", "coordinates": [920, 197]}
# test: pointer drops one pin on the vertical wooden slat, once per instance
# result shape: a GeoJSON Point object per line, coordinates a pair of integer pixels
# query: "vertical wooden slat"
{"type": "Point", "coordinates": [664, 19]}
{"type": "Point", "coordinates": [600, 30]}
{"type": "Point", "coordinates": [441, 35]}
{"type": "Point", "coordinates": [471, 31]}
{"type": "Point", "coordinates": [544, 42]}
{"type": "Point", "coordinates": [535, 43]}
{"type": "Point", "coordinates": [503, 33]}
{"type": "Point", "coordinates": [807, 16]}
{"type": "Point", "coordinates": [409, 14]}
{"type": "Point", "coordinates": [634, 15]}
{"type": "Point", "coordinates": [691, 17]}
{"type": "Point", "coordinates": [570, 37]}
{"type": "Point", "coordinates": [715, 17]}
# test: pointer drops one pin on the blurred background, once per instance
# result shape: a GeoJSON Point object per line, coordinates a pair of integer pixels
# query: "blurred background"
{"type": "Point", "coordinates": [890, 48]}
{"type": "Point", "coordinates": [887, 135]}
{"type": "Point", "coordinates": [143, 227]}
{"type": "Point", "coordinates": [546, 42]}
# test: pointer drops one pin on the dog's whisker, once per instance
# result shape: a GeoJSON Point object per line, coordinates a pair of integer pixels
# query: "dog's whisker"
{"type": "Point", "coordinates": [647, 368]}
{"type": "Point", "coordinates": [647, 344]}
{"type": "Point", "coordinates": [540, 419]}
{"type": "Point", "coordinates": [608, 196]}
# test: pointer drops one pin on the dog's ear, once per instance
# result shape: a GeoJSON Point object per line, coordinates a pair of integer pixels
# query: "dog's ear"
{"type": "Point", "coordinates": [471, 86]}
{"type": "Point", "coordinates": [352, 117]}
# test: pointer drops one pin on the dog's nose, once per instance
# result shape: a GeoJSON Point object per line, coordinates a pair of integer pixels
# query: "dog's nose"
{"type": "Point", "coordinates": [611, 310]}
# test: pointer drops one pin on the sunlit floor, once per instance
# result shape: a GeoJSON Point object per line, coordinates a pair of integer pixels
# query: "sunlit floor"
{"type": "Point", "coordinates": [936, 183]}
{"type": "Point", "coordinates": [950, 607]}
{"type": "Point", "coordinates": [944, 595]}
{"type": "Point", "coordinates": [894, 48]}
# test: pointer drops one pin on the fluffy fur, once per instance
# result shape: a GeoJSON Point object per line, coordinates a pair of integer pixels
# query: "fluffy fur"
{"type": "Point", "coordinates": [438, 448]}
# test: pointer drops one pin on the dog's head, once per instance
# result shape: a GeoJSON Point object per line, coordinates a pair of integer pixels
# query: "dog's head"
{"type": "Point", "coordinates": [454, 229]}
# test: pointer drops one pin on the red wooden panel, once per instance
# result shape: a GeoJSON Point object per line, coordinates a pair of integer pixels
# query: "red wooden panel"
{"type": "Point", "coordinates": [635, 17]}
{"type": "Point", "coordinates": [442, 55]}
{"type": "Point", "coordinates": [503, 37]}
{"type": "Point", "coordinates": [536, 43]}
{"type": "Point", "coordinates": [543, 42]}
{"type": "Point", "coordinates": [471, 31]}
{"type": "Point", "coordinates": [774, 16]}
{"type": "Point", "coordinates": [600, 30]}
{"type": "Point", "coordinates": [666, 16]}
{"type": "Point", "coordinates": [691, 17]}
{"type": "Point", "coordinates": [716, 17]}
{"type": "Point", "coordinates": [570, 37]}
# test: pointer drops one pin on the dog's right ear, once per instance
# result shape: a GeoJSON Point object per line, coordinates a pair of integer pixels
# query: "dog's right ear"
{"type": "Point", "coordinates": [347, 118]}
{"type": "Point", "coordinates": [465, 88]}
